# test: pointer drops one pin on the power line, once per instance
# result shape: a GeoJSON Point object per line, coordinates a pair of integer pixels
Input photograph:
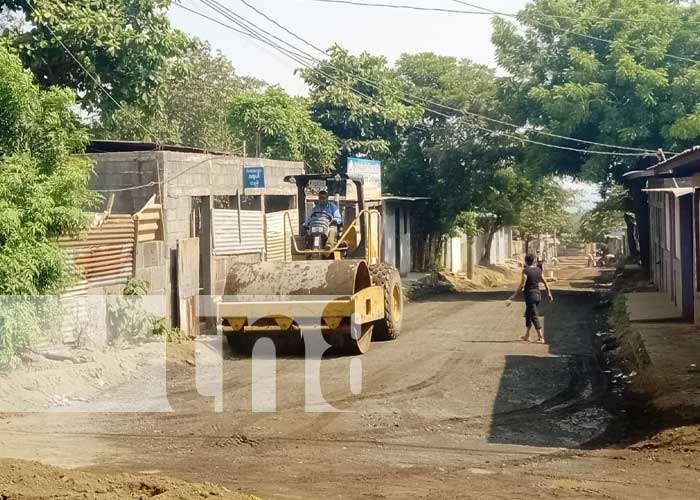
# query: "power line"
{"type": "Point", "coordinates": [487, 11]}
{"type": "Point", "coordinates": [469, 12]}
{"type": "Point", "coordinates": [302, 40]}
{"type": "Point", "coordinates": [520, 139]}
{"type": "Point", "coordinates": [570, 32]}
{"type": "Point", "coordinates": [228, 13]}
{"type": "Point", "coordinates": [399, 6]}
{"type": "Point", "coordinates": [241, 21]}
{"type": "Point", "coordinates": [460, 111]}
{"type": "Point", "coordinates": [91, 76]}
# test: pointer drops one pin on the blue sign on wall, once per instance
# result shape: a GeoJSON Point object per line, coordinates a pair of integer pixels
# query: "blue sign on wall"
{"type": "Point", "coordinates": [253, 177]}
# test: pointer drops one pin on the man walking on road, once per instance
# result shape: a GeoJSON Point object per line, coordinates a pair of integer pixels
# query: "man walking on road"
{"type": "Point", "coordinates": [530, 285]}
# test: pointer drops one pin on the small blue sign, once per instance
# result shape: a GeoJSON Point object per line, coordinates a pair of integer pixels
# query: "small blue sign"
{"type": "Point", "coordinates": [253, 177]}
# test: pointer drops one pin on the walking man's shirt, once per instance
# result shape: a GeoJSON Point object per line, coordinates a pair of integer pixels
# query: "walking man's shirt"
{"type": "Point", "coordinates": [530, 286]}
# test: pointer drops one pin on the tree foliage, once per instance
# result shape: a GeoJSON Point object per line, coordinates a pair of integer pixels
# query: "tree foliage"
{"type": "Point", "coordinates": [606, 217]}
{"type": "Point", "coordinates": [276, 125]}
{"type": "Point", "coordinates": [640, 89]}
{"type": "Point", "coordinates": [357, 98]}
{"type": "Point", "coordinates": [124, 43]}
{"type": "Point", "coordinates": [545, 210]}
{"type": "Point", "coordinates": [463, 167]}
{"type": "Point", "coordinates": [191, 104]}
{"type": "Point", "coordinates": [43, 189]}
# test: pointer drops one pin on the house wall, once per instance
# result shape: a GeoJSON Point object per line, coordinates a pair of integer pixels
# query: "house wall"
{"type": "Point", "coordinates": [686, 257]}
{"type": "Point", "coordinates": [672, 249]}
{"type": "Point", "coordinates": [397, 218]}
{"type": "Point", "coordinates": [501, 246]}
{"type": "Point", "coordinates": [461, 253]}
{"type": "Point", "coordinates": [126, 170]}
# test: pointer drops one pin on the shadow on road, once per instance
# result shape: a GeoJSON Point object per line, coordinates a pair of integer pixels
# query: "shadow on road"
{"type": "Point", "coordinates": [554, 400]}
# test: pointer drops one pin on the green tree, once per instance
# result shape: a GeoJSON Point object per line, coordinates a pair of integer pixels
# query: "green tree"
{"type": "Point", "coordinates": [545, 209]}
{"type": "Point", "coordinates": [358, 99]}
{"type": "Point", "coordinates": [440, 154]}
{"type": "Point", "coordinates": [43, 192]}
{"type": "Point", "coordinates": [190, 110]}
{"type": "Point", "coordinates": [641, 90]}
{"type": "Point", "coordinates": [124, 43]}
{"type": "Point", "coordinates": [43, 188]}
{"type": "Point", "coordinates": [276, 125]}
{"type": "Point", "coordinates": [606, 217]}
{"type": "Point", "coordinates": [502, 201]}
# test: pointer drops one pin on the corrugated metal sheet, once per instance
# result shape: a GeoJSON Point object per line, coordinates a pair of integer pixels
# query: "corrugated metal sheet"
{"type": "Point", "coordinates": [104, 254]}
{"type": "Point", "coordinates": [227, 238]}
{"type": "Point", "coordinates": [114, 229]}
{"type": "Point", "coordinates": [149, 222]}
{"type": "Point", "coordinates": [278, 235]}
{"type": "Point", "coordinates": [75, 316]}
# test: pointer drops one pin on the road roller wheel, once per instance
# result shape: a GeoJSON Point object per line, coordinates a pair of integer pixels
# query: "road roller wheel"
{"type": "Point", "coordinates": [389, 279]}
{"type": "Point", "coordinates": [361, 345]}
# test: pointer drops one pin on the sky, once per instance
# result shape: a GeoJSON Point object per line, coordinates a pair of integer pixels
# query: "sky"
{"type": "Point", "coordinates": [388, 32]}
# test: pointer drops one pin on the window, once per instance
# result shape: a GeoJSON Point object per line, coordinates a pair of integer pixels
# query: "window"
{"type": "Point", "coordinates": [279, 203]}
{"type": "Point", "coordinates": [231, 202]}
{"type": "Point", "coordinates": [405, 221]}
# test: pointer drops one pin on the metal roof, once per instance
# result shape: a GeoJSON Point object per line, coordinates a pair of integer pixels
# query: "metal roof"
{"type": "Point", "coordinates": [103, 146]}
{"type": "Point", "coordinates": [638, 174]}
{"type": "Point", "coordinates": [683, 163]}
{"type": "Point", "coordinates": [676, 191]}
{"type": "Point", "coordinates": [404, 198]}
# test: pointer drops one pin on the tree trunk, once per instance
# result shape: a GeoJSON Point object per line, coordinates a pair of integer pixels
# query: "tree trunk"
{"type": "Point", "coordinates": [632, 235]}
{"type": "Point", "coordinates": [527, 245]}
{"type": "Point", "coordinates": [487, 245]}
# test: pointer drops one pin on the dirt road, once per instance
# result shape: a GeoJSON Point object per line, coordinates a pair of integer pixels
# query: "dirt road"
{"type": "Point", "coordinates": [456, 408]}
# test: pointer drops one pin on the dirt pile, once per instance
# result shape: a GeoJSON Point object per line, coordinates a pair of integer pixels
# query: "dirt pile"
{"type": "Point", "coordinates": [79, 375]}
{"type": "Point", "coordinates": [21, 480]}
{"type": "Point", "coordinates": [484, 277]}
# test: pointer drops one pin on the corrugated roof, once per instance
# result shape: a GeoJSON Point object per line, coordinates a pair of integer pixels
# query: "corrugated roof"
{"type": "Point", "coordinates": [690, 158]}
{"type": "Point", "coordinates": [404, 198]}
{"type": "Point", "coordinates": [676, 191]}
{"type": "Point", "coordinates": [638, 174]}
{"type": "Point", "coordinates": [102, 146]}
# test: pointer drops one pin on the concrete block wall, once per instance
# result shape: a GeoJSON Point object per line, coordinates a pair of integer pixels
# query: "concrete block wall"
{"type": "Point", "coordinates": [123, 170]}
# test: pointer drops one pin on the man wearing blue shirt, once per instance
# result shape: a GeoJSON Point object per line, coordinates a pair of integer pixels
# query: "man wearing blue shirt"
{"type": "Point", "coordinates": [329, 210]}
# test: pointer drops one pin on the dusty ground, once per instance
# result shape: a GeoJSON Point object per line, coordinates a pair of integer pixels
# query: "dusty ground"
{"type": "Point", "coordinates": [456, 408]}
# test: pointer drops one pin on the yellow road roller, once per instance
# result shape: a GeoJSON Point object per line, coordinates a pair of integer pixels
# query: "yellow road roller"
{"type": "Point", "coordinates": [334, 285]}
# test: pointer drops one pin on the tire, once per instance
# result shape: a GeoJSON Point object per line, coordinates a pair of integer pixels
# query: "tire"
{"type": "Point", "coordinates": [389, 279]}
